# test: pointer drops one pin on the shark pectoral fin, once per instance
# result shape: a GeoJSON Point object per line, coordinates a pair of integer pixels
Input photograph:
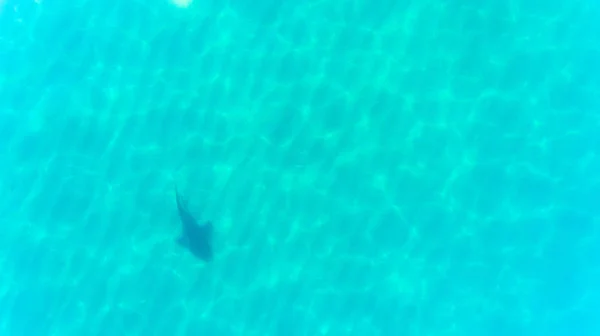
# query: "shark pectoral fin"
{"type": "Point", "coordinates": [181, 240]}
{"type": "Point", "coordinates": [208, 229]}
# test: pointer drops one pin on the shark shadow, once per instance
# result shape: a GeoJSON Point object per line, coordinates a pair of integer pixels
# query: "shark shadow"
{"type": "Point", "coordinates": [195, 237]}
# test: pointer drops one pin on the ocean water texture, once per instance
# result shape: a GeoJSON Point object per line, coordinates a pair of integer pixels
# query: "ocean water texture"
{"type": "Point", "coordinates": [370, 167]}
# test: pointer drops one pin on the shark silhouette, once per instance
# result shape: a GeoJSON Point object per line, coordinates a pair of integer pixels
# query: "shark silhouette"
{"type": "Point", "coordinates": [194, 237]}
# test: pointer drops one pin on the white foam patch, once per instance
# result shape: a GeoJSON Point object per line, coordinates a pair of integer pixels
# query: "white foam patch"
{"type": "Point", "coordinates": [180, 3]}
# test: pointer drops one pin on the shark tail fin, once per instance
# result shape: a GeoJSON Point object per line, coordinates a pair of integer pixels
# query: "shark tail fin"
{"type": "Point", "coordinates": [180, 202]}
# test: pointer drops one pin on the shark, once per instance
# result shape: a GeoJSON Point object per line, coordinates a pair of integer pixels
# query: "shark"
{"type": "Point", "coordinates": [195, 237]}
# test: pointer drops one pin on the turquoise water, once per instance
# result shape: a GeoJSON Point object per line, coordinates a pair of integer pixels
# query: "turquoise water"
{"type": "Point", "coordinates": [371, 167]}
